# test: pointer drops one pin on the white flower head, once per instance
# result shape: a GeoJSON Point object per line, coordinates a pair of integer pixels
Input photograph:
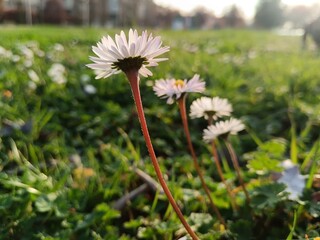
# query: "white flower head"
{"type": "Point", "coordinates": [294, 181]}
{"type": "Point", "coordinates": [56, 68]}
{"type": "Point", "coordinates": [32, 85]}
{"type": "Point", "coordinates": [58, 47]}
{"type": "Point", "coordinates": [84, 78]}
{"type": "Point", "coordinates": [33, 76]}
{"type": "Point", "coordinates": [90, 89]}
{"type": "Point", "coordinates": [15, 58]}
{"type": "Point", "coordinates": [27, 52]}
{"type": "Point", "coordinates": [57, 73]}
{"type": "Point", "coordinates": [210, 108]}
{"type": "Point", "coordinates": [28, 63]}
{"type": "Point", "coordinates": [223, 128]}
{"type": "Point", "coordinates": [135, 53]}
{"type": "Point", "coordinates": [5, 53]}
{"type": "Point", "coordinates": [172, 88]}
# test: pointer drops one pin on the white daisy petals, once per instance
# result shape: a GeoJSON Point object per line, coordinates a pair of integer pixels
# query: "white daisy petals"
{"type": "Point", "coordinates": [110, 52]}
{"type": "Point", "coordinates": [173, 89]}
{"type": "Point", "coordinates": [210, 107]}
{"type": "Point", "coordinates": [231, 126]}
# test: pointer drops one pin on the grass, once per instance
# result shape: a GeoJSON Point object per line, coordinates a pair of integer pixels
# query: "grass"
{"type": "Point", "coordinates": [67, 155]}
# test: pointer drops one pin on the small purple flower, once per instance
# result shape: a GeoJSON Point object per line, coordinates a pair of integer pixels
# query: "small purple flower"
{"type": "Point", "coordinates": [291, 177]}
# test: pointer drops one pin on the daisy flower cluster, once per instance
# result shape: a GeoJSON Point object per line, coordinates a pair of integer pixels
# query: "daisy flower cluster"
{"type": "Point", "coordinates": [27, 57]}
{"type": "Point", "coordinates": [133, 55]}
{"type": "Point", "coordinates": [209, 108]}
{"type": "Point", "coordinates": [213, 109]}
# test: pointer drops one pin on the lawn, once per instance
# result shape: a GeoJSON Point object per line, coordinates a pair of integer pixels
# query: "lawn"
{"type": "Point", "coordinates": [71, 146]}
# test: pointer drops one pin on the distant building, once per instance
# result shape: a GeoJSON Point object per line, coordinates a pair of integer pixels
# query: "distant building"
{"type": "Point", "coordinates": [82, 12]}
{"type": "Point", "coordinates": [111, 13]}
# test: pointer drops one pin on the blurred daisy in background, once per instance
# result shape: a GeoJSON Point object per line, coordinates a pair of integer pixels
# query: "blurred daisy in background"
{"type": "Point", "coordinates": [33, 76]}
{"type": "Point", "coordinates": [15, 58]}
{"type": "Point", "coordinates": [4, 53]}
{"type": "Point", "coordinates": [34, 79]}
{"type": "Point", "coordinates": [84, 78]}
{"type": "Point", "coordinates": [57, 73]}
{"type": "Point", "coordinates": [90, 89]}
{"type": "Point", "coordinates": [58, 47]}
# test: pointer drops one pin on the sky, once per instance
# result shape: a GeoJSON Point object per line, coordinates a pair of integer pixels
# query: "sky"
{"type": "Point", "coordinates": [219, 6]}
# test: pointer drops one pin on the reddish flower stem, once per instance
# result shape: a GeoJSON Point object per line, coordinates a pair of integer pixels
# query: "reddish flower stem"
{"type": "Point", "coordinates": [133, 78]}
{"type": "Point", "coordinates": [182, 108]}
{"type": "Point", "coordinates": [217, 162]}
{"type": "Point", "coordinates": [237, 168]}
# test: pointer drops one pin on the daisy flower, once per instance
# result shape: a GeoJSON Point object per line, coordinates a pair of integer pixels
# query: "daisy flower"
{"type": "Point", "coordinates": [57, 73]}
{"type": "Point", "coordinates": [223, 128]}
{"type": "Point", "coordinates": [133, 56]}
{"type": "Point", "coordinates": [5, 53]}
{"type": "Point", "coordinates": [135, 53]}
{"type": "Point", "coordinates": [90, 89]}
{"type": "Point", "coordinates": [210, 108]}
{"type": "Point", "coordinates": [172, 88]}
{"type": "Point", "coordinates": [33, 76]}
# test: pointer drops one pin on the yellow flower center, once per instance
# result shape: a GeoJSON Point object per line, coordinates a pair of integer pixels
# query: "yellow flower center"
{"type": "Point", "coordinates": [179, 83]}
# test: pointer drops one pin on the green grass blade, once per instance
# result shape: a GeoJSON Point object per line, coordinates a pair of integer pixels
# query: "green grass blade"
{"type": "Point", "coordinates": [312, 153]}
{"type": "Point", "coordinates": [293, 226]}
{"type": "Point", "coordinates": [293, 143]}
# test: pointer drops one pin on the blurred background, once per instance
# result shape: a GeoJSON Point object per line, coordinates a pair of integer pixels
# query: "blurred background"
{"type": "Point", "coordinates": [180, 14]}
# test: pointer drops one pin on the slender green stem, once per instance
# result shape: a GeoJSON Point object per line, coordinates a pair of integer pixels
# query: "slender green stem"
{"type": "Point", "coordinates": [182, 108]}
{"type": "Point", "coordinates": [133, 78]}
{"type": "Point", "coordinates": [217, 162]}
{"type": "Point", "coordinates": [237, 168]}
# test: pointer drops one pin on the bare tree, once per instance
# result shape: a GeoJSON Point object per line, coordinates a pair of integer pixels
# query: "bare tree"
{"type": "Point", "coordinates": [234, 18]}
{"type": "Point", "coordinates": [200, 17]}
{"type": "Point", "coordinates": [269, 14]}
